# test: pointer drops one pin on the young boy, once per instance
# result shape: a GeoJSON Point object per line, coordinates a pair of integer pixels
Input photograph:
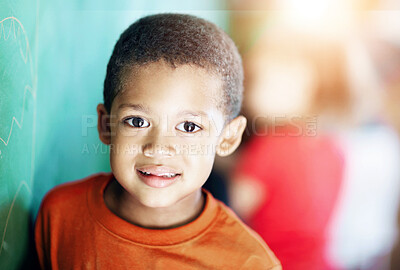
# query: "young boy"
{"type": "Point", "coordinates": [172, 94]}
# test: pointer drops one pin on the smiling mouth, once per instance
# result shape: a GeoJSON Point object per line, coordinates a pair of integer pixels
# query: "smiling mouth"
{"type": "Point", "coordinates": [163, 175]}
{"type": "Point", "coordinates": [158, 176]}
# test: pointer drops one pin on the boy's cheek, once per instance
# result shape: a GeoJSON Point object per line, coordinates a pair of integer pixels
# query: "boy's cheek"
{"type": "Point", "coordinates": [195, 150]}
{"type": "Point", "coordinates": [124, 150]}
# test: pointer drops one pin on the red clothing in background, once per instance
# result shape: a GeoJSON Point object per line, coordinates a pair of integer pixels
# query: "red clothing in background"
{"type": "Point", "coordinates": [301, 177]}
{"type": "Point", "coordinates": [76, 230]}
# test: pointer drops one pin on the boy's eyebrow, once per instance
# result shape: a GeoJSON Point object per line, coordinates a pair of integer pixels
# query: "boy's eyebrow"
{"type": "Point", "coordinates": [193, 113]}
{"type": "Point", "coordinates": [137, 107]}
{"type": "Point", "coordinates": [140, 107]}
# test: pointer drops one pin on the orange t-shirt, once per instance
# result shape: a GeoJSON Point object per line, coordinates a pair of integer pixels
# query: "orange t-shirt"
{"type": "Point", "coordinates": [75, 230]}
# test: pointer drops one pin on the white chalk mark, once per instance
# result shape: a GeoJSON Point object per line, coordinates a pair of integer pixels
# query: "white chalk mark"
{"type": "Point", "coordinates": [22, 184]}
{"type": "Point", "coordinates": [14, 119]}
{"type": "Point", "coordinates": [25, 56]}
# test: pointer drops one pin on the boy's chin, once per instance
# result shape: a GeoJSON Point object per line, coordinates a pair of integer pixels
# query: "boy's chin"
{"type": "Point", "coordinates": [157, 200]}
{"type": "Point", "coordinates": [163, 199]}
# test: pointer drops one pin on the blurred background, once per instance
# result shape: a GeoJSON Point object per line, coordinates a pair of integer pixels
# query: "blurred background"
{"type": "Point", "coordinates": [318, 172]}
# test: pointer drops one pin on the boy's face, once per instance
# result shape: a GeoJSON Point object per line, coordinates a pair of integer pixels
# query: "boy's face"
{"type": "Point", "coordinates": [165, 130]}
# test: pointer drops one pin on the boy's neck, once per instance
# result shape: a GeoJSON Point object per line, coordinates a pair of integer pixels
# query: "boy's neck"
{"type": "Point", "coordinates": [129, 209]}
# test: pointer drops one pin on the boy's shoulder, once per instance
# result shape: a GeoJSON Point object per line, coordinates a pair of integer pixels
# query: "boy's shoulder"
{"type": "Point", "coordinates": [71, 193]}
{"type": "Point", "coordinates": [242, 240]}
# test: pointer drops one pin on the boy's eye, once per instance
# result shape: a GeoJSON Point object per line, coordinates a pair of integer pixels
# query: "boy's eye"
{"type": "Point", "coordinates": [188, 127]}
{"type": "Point", "coordinates": [137, 122]}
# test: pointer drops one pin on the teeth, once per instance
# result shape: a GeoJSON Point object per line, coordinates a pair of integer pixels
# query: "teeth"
{"type": "Point", "coordinates": [165, 175]}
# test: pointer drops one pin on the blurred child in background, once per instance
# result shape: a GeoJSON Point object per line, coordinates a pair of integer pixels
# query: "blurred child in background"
{"type": "Point", "coordinates": [330, 200]}
{"type": "Point", "coordinates": [287, 179]}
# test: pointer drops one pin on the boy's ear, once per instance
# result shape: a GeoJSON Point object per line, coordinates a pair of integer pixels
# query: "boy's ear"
{"type": "Point", "coordinates": [231, 136]}
{"type": "Point", "coordinates": [103, 124]}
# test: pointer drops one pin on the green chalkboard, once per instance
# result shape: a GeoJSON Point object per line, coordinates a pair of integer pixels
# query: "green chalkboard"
{"type": "Point", "coordinates": [18, 81]}
{"type": "Point", "coordinates": [53, 57]}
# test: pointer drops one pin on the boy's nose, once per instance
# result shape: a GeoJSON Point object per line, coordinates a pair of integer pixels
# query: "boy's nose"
{"type": "Point", "coordinates": [158, 150]}
{"type": "Point", "coordinates": [159, 144]}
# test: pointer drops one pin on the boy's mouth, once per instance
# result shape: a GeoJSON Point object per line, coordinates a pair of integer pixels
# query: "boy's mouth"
{"type": "Point", "coordinates": [157, 176]}
{"type": "Point", "coordinates": [164, 175]}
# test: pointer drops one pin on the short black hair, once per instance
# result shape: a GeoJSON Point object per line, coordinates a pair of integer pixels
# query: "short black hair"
{"type": "Point", "coordinates": [178, 39]}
